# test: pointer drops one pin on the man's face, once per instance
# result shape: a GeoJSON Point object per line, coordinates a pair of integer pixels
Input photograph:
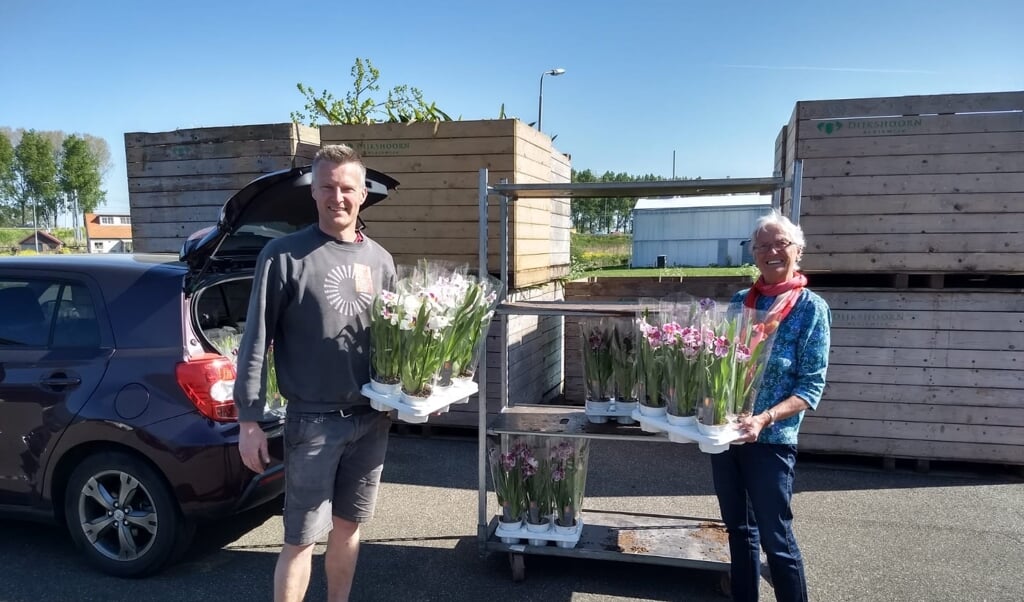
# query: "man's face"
{"type": "Point", "coordinates": [339, 190]}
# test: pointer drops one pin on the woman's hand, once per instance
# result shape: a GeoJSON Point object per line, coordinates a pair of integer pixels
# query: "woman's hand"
{"type": "Point", "coordinates": [750, 427]}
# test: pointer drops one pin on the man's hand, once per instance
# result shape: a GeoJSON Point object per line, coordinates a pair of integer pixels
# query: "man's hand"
{"type": "Point", "coordinates": [252, 446]}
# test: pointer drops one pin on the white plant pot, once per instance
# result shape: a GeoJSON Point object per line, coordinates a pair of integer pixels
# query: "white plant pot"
{"type": "Point", "coordinates": [386, 388]}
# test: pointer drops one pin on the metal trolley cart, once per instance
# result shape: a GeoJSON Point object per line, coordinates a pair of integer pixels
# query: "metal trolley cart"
{"type": "Point", "coordinates": [623, 536]}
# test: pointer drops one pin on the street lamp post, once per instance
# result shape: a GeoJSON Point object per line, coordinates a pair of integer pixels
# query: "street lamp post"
{"type": "Point", "coordinates": [540, 98]}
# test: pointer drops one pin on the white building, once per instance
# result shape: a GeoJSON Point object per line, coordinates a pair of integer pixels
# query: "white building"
{"type": "Point", "coordinates": [108, 233]}
{"type": "Point", "coordinates": [696, 231]}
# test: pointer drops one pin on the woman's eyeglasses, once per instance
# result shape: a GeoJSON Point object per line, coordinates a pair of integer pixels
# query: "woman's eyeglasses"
{"type": "Point", "coordinates": [777, 246]}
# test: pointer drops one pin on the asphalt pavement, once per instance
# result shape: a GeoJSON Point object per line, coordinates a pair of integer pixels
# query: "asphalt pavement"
{"type": "Point", "coordinates": [955, 533]}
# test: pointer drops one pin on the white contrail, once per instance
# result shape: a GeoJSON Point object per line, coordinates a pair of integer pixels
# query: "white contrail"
{"type": "Point", "coordinates": [845, 69]}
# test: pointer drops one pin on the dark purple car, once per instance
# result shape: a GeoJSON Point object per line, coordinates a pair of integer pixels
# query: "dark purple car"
{"type": "Point", "coordinates": [116, 372]}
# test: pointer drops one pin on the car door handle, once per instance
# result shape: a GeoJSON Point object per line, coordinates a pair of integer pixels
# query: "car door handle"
{"type": "Point", "coordinates": [60, 380]}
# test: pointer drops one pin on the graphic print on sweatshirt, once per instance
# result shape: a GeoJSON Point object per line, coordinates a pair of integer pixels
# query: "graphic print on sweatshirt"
{"type": "Point", "coordinates": [349, 288]}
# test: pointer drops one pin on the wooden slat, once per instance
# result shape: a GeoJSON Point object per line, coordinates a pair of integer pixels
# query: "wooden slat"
{"type": "Point", "coordinates": [966, 300]}
{"type": "Point", "coordinates": [955, 321]}
{"type": "Point", "coordinates": [903, 448]}
{"type": "Point", "coordinates": [919, 184]}
{"type": "Point", "coordinates": [179, 199]}
{"type": "Point", "coordinates": [981, 397]}
{"type": "Point", "coordinates": [946, 204]}
{"type": "Point", "coordinates": [911, 105]}
{"type": "Point", "coordinates": [374, 149]}
{"type": "Point", "coordinates": [927, 358]}
{"type": "Point", "coordinates": [206, 150]}
{"type": "Point", "coordinates": [817, 148]}
{"type": "Point", "coordinates": [918, 243]}
{"type": "Point", "coordinates": [921, 412]}
{"type": "Point", "coordinates": [914, 262]}
{"type": "Point", "coordinates": [279, 131]}
{"type": "Point", "coordinates": [400, 165]}
{"type": "Point", "coordinates": [914, 125]}
{"type": "Point", "coordinates": [902, 429]}
{"type": "Point", "coordinates": [915, 224]}
{"type": "Point", "coordinates": [915, 165]}
{"type": "Point", "coordinates": [419, 130]}
{"type": "Point", "coordinates": [156, 215]}
{"type": "Point", "coordinates": [279, 160]}
{"type": "Point", "coordinates": [944, 377]}
{"type": "Point", "coordinates": [232, 181]}
{"type": "Point", "coordinates": [921, 339]}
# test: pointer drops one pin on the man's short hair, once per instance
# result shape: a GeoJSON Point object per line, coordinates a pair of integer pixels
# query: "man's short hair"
{"type": "Point", "coordinates": [340, 154]}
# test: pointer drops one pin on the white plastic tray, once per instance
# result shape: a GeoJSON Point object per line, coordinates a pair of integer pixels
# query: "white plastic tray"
{"type": "Point", "coordinates": [688, 433]}
{"type": "Point", "coordinates": [438, 401]}
{"type": "Point", "coordinates": [621, 412]}
{"type": "Point", "coordinates": [566, 540]}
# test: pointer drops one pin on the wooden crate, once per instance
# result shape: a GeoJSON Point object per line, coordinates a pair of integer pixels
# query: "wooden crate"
{"type": "Point", "coordinates": [926, 184]}
{"type": "Point", "coordinates": [435, 211]}
{"type": "Point", "coordinates": [720, 288]}
{"type": "Point", "coordinates": [923, 374]}
{"type": "Point", "coordinates": [178, 181]}
{"type": "Point", "coordinates": [534, 359]}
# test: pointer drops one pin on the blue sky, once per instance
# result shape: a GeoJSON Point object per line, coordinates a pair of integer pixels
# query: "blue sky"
{"type": "Point", "coordinates": [712, 81]}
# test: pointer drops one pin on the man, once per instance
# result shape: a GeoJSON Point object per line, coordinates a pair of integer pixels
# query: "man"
{"type": "Point", "coordinates": [311, 296]}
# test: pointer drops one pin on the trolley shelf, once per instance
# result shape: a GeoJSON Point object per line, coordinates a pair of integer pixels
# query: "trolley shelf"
{"type": "Point", "coordinates": [561, 308]}
{"type": "Point", "coordinates": [642, 538]}
{"type": "Point", "coordinates": [563, 421]}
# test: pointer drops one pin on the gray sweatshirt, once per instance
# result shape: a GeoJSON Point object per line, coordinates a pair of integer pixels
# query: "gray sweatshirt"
{"type": "Point", "coordinates": [311, 297]}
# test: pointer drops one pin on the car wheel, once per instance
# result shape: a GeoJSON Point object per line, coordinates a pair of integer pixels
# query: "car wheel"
{"type": "Point", "coordinates": [121, 514]}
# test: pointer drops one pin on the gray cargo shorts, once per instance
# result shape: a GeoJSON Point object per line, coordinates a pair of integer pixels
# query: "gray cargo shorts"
{"type": "Point", "coordinates": [332, 467]}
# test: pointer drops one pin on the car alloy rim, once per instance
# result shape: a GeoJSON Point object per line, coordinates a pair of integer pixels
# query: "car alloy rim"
{"type": "Point", "coordinates": [117, 515]}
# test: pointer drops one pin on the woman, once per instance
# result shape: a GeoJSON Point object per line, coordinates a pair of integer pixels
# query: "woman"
{"type": "Point", "coordinates": [754, 482]}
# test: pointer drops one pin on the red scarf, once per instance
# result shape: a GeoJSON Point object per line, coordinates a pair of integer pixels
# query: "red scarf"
{"type": "Point", "coordinates": [786, 294]}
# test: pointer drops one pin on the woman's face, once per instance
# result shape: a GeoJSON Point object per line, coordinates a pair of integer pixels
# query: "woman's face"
{"type": "Point", "coordinates": [775, 255]}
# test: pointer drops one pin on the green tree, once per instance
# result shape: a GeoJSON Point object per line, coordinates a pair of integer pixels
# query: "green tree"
{"type": "Point", "coordinates": [80, 179]}
{"type": "Point", "coordinates": [403, 103]}
{"type": "Point", "coordinates": [35, 167]}
{"type": "Point", "coordinates": [8, 178]}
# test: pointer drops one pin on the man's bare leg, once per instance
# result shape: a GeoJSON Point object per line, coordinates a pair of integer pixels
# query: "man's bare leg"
{"type": "Point", "coordinates": [340, 560]}
{"type": "Point", "coordinates": [291, 575]}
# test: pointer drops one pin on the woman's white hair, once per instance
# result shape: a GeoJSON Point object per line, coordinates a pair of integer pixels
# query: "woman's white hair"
{"type": "Point", "coordinates": [791, 231]}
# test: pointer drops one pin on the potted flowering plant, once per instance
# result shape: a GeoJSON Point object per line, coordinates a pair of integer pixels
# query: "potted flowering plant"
{"type": "Point", "coordinates": [623, 352]}
{"type": "Point", "coordinates": [507, 478]}
{"type": "Point", "coordinates": [597, 368]}
{"type": "Point", "coordinates": [651, 368]}
{"type": "Point", "coordinates": [736, 353]}
{"type": "Point", "coordinates": [568, 479]}
{"type": "Point", "coordinates": [421, 324]}
{"type": "Point", "coordinates": [474, 317]}
{"type": "Point", "coordinates": [385, 339]}
{"type": "Point", "coordinates": [537, 482]}
{"type": "Point", "coordinates": [683, 370]}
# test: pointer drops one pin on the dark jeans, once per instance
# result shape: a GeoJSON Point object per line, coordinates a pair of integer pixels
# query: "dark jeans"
{"type": "Point", "coordinates": [754, 484]}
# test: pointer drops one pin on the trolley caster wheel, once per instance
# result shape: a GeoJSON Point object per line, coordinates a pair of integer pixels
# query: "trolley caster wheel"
{"type": "Point", "coordinates": [518, 566]}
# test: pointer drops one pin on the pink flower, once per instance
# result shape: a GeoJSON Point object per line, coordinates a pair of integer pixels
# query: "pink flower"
{"type": "Point", "coordinates": [721, 346]}
{"type": "Point", "coordinates": [742, 352]}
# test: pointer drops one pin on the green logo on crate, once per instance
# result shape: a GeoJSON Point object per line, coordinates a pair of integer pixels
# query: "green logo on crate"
{"type": "Point", "coordinates": [377, 149]}
{"type": "Point", "coordinates": [830, 126]}
{"type": "Point", "coordinates": [887, 126]}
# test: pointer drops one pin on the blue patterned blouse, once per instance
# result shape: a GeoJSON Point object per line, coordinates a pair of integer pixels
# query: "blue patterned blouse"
{"type": "Point", "coordinates": [798, 361]}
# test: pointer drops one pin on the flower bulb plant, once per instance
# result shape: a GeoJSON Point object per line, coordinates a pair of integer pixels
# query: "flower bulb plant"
{"type": "Point", "coordinates": [421, 324]}
{"type": "Point", "coordinates": [623, 352]}
{"type": "Point", "coordinates": [385, 338]}
{"type": "Point", "coordinates": [597, 359]}
{"type": "Point", "coordinates": [651, 364]}
{"type": "Point", "coordinates": [536, 470]}
{"type": "Point", "coordinates": [568, 471]}
{"type": "Point", "coordinates": [736, 352]}
{"type": "Point", "coordinates": [506, 462]}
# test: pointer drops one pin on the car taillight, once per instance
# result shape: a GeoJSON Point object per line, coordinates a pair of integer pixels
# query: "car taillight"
{"type": "Point", "coordinates": [208, 381]}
